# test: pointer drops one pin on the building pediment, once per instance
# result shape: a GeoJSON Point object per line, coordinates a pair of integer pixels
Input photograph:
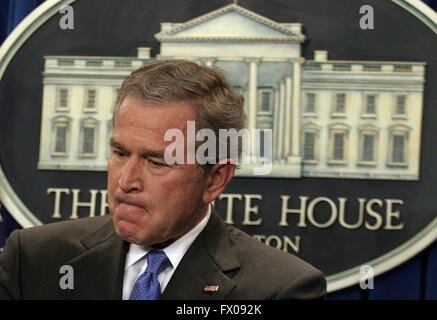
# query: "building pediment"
{"type": "Point", "coordinates": [231, 23]}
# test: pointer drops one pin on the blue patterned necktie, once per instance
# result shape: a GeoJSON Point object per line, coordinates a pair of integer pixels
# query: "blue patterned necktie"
{"type": "Point", "coordinates": [147, 286]}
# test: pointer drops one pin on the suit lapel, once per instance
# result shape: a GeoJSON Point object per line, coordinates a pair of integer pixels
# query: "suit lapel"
{"type": "Point", "coordinates": [209, 261]}
{"type": "Point", "coordinates": [98, 272]}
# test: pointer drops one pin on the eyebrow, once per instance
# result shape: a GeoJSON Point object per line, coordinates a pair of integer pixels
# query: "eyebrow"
{"type": "Point", "coordinates": [143, 151]}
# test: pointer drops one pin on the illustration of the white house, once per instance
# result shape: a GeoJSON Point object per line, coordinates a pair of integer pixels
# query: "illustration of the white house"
{"type": "Point", "coordinates": [344, 119]}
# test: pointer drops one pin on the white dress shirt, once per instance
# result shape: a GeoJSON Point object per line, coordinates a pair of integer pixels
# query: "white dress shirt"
{"type": "Point", "coordinates": [136, 261]}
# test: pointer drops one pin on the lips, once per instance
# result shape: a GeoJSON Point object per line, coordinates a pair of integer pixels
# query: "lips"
{"type": "Point", "coordinates": [135, 200]}
{"type": "Point", "coordinates": [127, 210]}
{"type": "Point", "coordinates": [128, 207]}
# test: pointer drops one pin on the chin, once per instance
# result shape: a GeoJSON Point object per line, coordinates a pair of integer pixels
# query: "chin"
{"type": "Point", "coordinates": [127, 231]}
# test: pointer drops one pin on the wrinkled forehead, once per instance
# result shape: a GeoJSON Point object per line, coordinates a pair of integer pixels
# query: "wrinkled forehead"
{"type": "Point", "coordinates": [137, 113]}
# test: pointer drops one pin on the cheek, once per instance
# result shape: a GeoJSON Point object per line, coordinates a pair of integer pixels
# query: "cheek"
{"type": "Point", "coordinates": [113, 173]}
{"type": "Point", "coordinates": [163, 193]}
{"type": "Point", "coordinates": [113, 178]}
{"type": "Point", "coordinates": [180, 192]}
{"type": "Point", "coordinates": [166, 195]}
{"type": "Point", "coordinates": [177, 185]}
{"type": "Point", "coordinates": [112, 181]}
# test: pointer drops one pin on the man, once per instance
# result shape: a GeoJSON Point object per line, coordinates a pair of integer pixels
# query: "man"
{"type": "Point", "coordinates": [163, 238]}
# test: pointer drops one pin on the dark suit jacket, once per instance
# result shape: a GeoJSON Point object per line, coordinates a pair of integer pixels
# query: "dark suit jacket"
{"type": "Point", "coordinates": [241, 266]}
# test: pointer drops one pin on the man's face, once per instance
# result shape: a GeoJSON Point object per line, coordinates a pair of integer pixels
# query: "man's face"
{"type": "Point", "coordinates": [152, 203]}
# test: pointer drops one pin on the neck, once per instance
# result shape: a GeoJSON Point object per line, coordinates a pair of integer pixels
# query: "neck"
{"type": "Point", "coordinates": [197, 218]}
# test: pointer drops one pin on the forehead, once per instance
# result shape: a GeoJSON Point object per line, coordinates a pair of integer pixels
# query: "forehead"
{"type": "Point", "coordinates": [135, 113]}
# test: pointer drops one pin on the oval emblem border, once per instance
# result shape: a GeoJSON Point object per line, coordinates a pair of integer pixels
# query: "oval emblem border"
{"type": "Point", "coordinates": [336, 281]}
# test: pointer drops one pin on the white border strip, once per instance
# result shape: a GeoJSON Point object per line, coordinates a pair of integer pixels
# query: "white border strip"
{"type": "Point", "coordinates": [336, 281]}
{"type": "Point", "coordinates": [421, 11]}
{"type": "Point", "coordinates": [8, 50]}
{"type": "Point", "coordinates": [26, 28]}
{"type": "Point", "coordinates": [427, 235]}
{"type": "Point", "coordinates": [387, 261]}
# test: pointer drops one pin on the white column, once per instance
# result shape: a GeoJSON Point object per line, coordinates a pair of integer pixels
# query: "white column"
{"type": "Point", "coordinates": [295, 135]}
{"type": "Point", "coordinates": [288, 115]}
{"type": "Point", "coordinates": [280, 136]}
{"type": "Point", "coordinates": [253, 92]}
{"type": "Point", "coordinates": [275, 124]}
{"type": "Point", "coordinates": [252, 103]}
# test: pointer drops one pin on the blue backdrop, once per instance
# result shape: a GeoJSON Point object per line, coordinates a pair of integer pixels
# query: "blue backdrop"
{"type": "Point", "coordinates": [415, 279]}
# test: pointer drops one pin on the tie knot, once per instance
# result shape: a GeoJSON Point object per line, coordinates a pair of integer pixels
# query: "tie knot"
{"type": "Point", "coordinates": [156, 261]}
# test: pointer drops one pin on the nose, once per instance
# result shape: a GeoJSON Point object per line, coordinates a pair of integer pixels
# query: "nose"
{"type": "Point", "coordinates": [131, 176]}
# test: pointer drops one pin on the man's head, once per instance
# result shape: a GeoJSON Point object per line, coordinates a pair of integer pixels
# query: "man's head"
{"type": "Point", "coordinates": [216, 104]}
{"type": "Point", "coordinates": [154, 203]}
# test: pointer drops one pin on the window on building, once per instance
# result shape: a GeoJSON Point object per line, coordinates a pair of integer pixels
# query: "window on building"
{"type": "Point", "coordinates": [60, 136]}
{"type": "Point", "coordinates": [338, 146]}
{"type": "Point", "coordinates": [370, 107]}
{"type": "Point", "coordinates": [338, 143]}
{"type": "Point", "coordinates": [372, 67]}
{"type": "Point", "coordinates": [398, 147]}
{"type": "Point", "coordinates": [309, 143]}
{"type": "Point", "coordinates": [309, 146]}
{"type": "Point", "coordinates": [261, 144]}
{"type": "Point", "coordinates": [398, 150]}
{"type": "Point", "coordinates": [400, 109]}
{"type": "Point", "coordinates": [340, 103]}
{"type": "Point", "coordinates": [88, 141]}
{"type": "Point", "coordinates": [265, 103]}
{"type": "Point", "coordinates": [65, 62]}
{"type": "Point", "coordinates": [122, 63]}
{"type": "Point", "coordinates": [368, 148]}
{"type": "Point", "coordinates": [341, 67]}
{"type": "Point", "coordinates": [90, 103]}
{"type": "Point", "coordinates": [94, 63]}
{"type": "Point", "coordinates": [310, 102]}
{"type": "Point", "coordinates": [402, 68]}
{"type": "Point", "coordinates": [62, 99]}
{"type": "Point", "coordinates": [60, 139]}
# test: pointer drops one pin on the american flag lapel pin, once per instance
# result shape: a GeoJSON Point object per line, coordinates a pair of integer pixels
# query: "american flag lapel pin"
{"type": "Point", "coordinates": [210, 288]}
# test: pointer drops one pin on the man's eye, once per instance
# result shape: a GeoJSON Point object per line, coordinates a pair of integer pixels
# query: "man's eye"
{"type": "Point", "coordinates": [118, 153]}
{"type": "Point", "coordinates": [156, 163]}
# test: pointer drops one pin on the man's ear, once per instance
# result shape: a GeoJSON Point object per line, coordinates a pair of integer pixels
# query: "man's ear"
{"type": "Point", "coordinates": [217, 179]}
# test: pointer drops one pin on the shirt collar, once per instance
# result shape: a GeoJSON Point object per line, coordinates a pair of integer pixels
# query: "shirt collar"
{"type": "Point", "coordinates": [174, 251]}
